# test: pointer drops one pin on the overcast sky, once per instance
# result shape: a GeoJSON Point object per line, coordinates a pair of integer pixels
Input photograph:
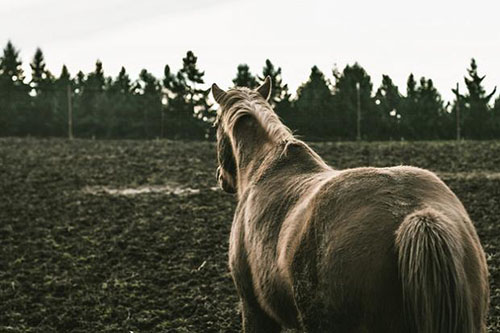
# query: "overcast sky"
{"type": "Point", "coordinates": [432, 38]}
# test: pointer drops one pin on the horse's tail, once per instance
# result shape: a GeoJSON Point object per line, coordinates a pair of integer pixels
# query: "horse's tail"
{"type": "Point", "coordinates": [434, 285]}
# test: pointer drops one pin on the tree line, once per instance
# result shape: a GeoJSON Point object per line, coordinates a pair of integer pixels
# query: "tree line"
{"type": "Point", "coordinates": [175, 106]}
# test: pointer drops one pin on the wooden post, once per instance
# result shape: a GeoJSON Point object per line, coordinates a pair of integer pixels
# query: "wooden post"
{"type": "Point", "coordinates": [162, 122]}
{"type": "Point", "coordinates": [358, 127]}
{"type": "Point", "coordinates": [458, 113]}
{"type": "Point", "coordinates": [70, 112]}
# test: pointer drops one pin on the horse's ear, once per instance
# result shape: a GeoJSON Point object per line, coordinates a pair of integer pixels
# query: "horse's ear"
{"type": "Point", "coordinates": [265, 89]}
{"type": "Point", "coordinates": [218, 93]}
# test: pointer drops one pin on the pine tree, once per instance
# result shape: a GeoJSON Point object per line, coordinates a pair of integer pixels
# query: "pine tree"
{"type": "Point", "coordinates": [422, 111]}
{"type": "Point", "coordinates": [179, 117]}
{"type": "Point", "coordinates": [244, 78]}
{"type": "Point", "coordinates": [454, 126]}
{"type": "Point", "coordinates": [41, 77]}
{"type": "Point", "coordinates": [496, 119]}
{"type": "Point", "coordinates": [411, 87]}
{"type": "Point", "coordinates": [14, 98]}
{"type": "Point", "coordinates": [42, 115]}
{"type": "Point", "coordinates": [408, 108]}
{"type": "Point", "coordinates": [11, 64]}
{"type": "Point", "coordinates": [95, 81]}
{"type": "Point", "coordinates": [346, 100]}
{"type": "Point", "coordinates": [122, 84]}
{"type": "Point", "coordinates": [198, 98]}
{"type": "Point", "coordinates": [176, 116]}
{"type": "Point", "coordinates": [431, 111]}
{"type": "Point", "coordinates": [125, 117]}
{"type": "Point", "coordinates": [388, 100]}
{"type": "Point", "coordinates": [80, 80]}
{"type": "Point", "coordinates": [313, 110]}
{"type": "Point", "coordinates": [190, 69]}
{"type": "Point", "coordinates": [150, 103]}
{"type": "Point", "coordinates": [65, 76]}
{"type": "Point", "coordinates": [91, 114]}
{"type": "Point", "coordinates": [187, 109]}
{"type": "Point", "coordinates": [477, 115]}
{"type": "Point", "coordinates": [60, 103]}
{"type": "Point", "coordinates": [279, 91]}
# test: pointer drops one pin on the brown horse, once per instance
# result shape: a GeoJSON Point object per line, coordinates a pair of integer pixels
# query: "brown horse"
{"type": "Point", "coordinates": [357, 250]}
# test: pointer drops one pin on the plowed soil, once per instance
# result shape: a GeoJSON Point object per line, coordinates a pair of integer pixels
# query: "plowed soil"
{"type": "Point", "coordinates": [121, 236]}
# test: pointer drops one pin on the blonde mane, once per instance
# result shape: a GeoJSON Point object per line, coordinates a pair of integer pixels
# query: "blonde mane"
{"type": "Point", "coordinates": [240, 102]}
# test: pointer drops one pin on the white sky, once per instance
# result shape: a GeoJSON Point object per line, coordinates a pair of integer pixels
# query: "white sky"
{"type": "Point", "coordinates": [432, 38]}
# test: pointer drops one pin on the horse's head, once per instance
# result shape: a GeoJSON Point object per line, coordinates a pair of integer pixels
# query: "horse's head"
{"type": "Point", "coordinates": [236, 106]}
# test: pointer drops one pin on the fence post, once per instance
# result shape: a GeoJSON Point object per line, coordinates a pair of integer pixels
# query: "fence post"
{"type": "Point", "coordinates": [458, 113]}
{"type": "Point", "coordinates": [70, 112]}
{"type": "Point", "coordinates": [358, 127]}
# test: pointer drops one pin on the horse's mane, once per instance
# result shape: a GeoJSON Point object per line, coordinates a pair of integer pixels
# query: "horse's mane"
{"type": "Point", "coordinates": [241, 102]}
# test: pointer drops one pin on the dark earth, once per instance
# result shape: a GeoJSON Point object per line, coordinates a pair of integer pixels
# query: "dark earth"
{"type": "Point", "coordinates": [121, 236]}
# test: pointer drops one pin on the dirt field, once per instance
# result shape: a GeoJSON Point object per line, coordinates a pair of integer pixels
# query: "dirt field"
{"type": "Point", "coordinates": [120, 236]}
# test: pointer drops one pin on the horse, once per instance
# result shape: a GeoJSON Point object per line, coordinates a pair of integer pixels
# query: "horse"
{"type": "Point", "coordinates": [317, 249]}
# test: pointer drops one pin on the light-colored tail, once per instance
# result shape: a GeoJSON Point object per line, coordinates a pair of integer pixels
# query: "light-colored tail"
{"type": "Point", "coordinates": [433, 278]}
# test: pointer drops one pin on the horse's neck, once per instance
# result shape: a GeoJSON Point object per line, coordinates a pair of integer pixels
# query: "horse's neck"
{"type": "Point", "coordinates": [259, 148]}
{"type": "Point", "coordinates": [251, 162]}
